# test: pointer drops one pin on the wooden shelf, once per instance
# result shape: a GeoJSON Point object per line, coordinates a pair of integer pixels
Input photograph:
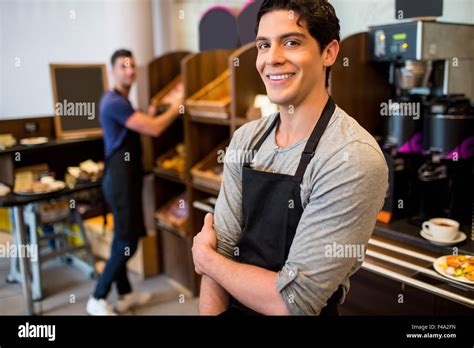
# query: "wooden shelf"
{"type": "Point", "coordinates": [205, 189]}
{"type": "Point", "coordinates": [202, 132]}
{"type": "Point", "coordinates": [203, 118]}
{"type": "Point", "coordinates": [205, 205]}
{"type": "Point", "coordinates": [89, 211]}
{"type": "Point", "coordinates": [52, 144]}
{"type": "Point", "coordinates": [169, 175]}
{"type": "Point", "coordinates": [163, 70]}
{"type": "Point", "coordinates": [212, 99]}
{"type": "Point", "coordinates": [167, 227]}
{"type": "Point", "coordinates": [202, 174]}
{"type": "Point", "coordinates": [246, 83]}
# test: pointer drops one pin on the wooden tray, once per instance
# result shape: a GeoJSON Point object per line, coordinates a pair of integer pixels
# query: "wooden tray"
{"type": "Point", "coordinates": [178, 224]}
{"type": "Point", "coordinates": [167, 171]}
{"type": "Point", "coordinates": [157, 98]}
{"type": "Point", "coordinates": [200, 174]}
{"type": "Point", "coordinates": [213, 100]}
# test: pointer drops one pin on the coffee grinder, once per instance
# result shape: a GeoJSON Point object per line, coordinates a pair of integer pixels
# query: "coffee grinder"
{"type": "Point", "coordinates": [430, 67]}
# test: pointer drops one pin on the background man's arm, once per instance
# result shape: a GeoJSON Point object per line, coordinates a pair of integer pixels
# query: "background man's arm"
{"type": "Point", "coordinates": [152, 126]}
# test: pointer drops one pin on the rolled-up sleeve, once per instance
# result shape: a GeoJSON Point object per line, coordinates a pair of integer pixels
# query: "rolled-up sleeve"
{"type": "Point", "coordinates": [228, 210]}
{"type": "Point", "coordinates": [330, 241]}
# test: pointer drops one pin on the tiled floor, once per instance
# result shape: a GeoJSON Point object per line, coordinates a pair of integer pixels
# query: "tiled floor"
{"type": "Point", "coordinates": [67, 289]}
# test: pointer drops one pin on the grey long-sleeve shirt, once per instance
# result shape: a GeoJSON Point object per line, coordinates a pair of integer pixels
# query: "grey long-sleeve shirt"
{"type": "Point", "coordinates": [342, 191]}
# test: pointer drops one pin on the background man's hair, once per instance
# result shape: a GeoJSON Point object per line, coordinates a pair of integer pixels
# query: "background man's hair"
{"type": "Point", "coordinates": [318, 15]}
{"type": "Point", "coordinates": [120, 53]}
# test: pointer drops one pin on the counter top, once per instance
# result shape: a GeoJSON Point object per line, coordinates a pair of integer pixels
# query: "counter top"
{"type": "Point", "coordinates": [405, 232]}
{"type": "Point", "coordinates": [410, 265]}
{"type": "Point", "coordinates": [13, 199]}
{"type": "Point", "coordinates": [50, 144]}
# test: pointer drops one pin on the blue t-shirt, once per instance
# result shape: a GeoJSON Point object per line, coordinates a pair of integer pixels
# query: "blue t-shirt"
{"type": "Point", "coordinates": [115, 109]}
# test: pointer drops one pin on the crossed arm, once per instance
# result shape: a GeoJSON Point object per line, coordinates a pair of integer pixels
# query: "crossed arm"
{"type": "Point", "coordinates": [344, 211]}
{"type": "Point", "coordinates": [252, 286]}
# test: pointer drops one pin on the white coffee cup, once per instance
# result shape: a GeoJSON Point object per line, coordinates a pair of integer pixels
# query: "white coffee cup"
{"type": "Point", "coordinates": [441, 229]}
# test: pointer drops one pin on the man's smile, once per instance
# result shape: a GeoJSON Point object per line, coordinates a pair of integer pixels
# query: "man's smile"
{"type": "Point", "coordinates": [280, 78]}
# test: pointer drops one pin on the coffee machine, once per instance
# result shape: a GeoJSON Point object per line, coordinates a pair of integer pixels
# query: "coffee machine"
{"type": "Point", "coordinates": [446, 178]}
{"type": "Point", "coordinates": [429, 121]}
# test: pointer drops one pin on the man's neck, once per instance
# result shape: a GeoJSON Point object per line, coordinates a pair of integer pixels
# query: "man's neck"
{"type": "Point", "coordinates": [297, 122]}
{"type": "Point", "coordinates": [122, 90]}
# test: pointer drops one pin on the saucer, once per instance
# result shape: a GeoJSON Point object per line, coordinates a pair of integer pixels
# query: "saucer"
{"type": "Point", "coordinates": [459, 238]}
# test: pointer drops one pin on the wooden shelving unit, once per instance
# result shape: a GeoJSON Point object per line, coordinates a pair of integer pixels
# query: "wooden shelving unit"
{"type": "Point", "coordinates": [201, 135]}
{"type": "Point", "coordinates": [168, 175]}
{"type": "Point", "coordinates": [168, 184]}
{"type": "Point", "coordinates": [245, 83]}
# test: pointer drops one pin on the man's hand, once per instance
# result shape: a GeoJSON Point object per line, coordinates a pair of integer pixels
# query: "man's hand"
{"type": "Point", "coordinates": [250, 285]}
{"type": "Point", "coordinates": [204, 243]}
{"type": "Point", "coordinates": [152, 109]}
{"type": "Point", "coordinates": [175, 105]}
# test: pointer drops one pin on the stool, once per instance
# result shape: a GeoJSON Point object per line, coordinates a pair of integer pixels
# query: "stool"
{"type": "Point", "coordinates": [62, 248]}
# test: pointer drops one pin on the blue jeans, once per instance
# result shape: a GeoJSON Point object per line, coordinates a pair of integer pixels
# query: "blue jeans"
{"type": "Point", "coordinates": [122, 250]}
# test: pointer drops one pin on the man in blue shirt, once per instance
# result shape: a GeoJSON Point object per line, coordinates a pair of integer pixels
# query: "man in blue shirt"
{"type": "Point", "coordinates": [122, 181]}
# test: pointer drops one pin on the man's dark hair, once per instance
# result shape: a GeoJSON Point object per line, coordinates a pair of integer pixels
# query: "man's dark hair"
{"type": "Point", "coordinates": [318, 15]}
{"type": "Point", "coordinates": [120, 53]}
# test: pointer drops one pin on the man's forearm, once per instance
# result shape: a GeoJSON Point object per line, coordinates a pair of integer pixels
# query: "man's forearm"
{"type": "Point", "coordinates": [250, 285]}
{"type": "Point", "coordinates": [162, 122]}
{"type": "Point", "coordinates": [213, 298]}
{"type": "Point", "coordinates": [144, 124]}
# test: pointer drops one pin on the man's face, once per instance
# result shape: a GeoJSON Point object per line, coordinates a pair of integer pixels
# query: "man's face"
{"type": "Point", "coordinates": [124, 71]}
{"type": "Point", "coordinates": [289, 59]}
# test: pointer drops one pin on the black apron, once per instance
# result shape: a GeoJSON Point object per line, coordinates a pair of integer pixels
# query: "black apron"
{"type": "Point", "coordinates": [125, 170]}
{"type": "Point", "coordinates": [272, 208]}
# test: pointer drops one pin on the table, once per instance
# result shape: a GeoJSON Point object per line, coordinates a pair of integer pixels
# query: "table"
{"type": "Point", "coordinates": [18, 203]}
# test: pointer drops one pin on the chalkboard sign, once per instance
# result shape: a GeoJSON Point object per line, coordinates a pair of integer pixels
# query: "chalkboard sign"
{"type": "Point", "coordinates": [77, 90]}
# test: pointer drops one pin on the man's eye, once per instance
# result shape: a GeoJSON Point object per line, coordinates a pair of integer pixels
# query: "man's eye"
{"type": "Point", "coordinates": [263, 45]}
{"type": "Point", "coordinates": [291, 43]}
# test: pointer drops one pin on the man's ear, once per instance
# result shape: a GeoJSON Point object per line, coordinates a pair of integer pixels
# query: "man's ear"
{"type": "Point", "coordinates": [330, 53]}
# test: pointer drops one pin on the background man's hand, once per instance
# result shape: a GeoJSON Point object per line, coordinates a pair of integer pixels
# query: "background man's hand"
{"type": "Point", "coordinates": [152, 109]}
{"type": "Point", "coordinates": [175, 104]}
{"type": "Point", "coordinates": [175, 98]}
{"type": "Point", "coordinates": [204, 242]}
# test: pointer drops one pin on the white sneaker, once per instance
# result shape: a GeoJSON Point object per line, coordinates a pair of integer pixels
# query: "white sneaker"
{"type": "Point", "coordinates": [99, 307]}
{"type": "Point", "coordinates": [132, 299]}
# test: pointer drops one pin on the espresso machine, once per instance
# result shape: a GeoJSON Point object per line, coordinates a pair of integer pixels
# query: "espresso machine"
{"type": "Point", "coordinates": [446, 178]}
{"type": "Point", "coordinates": [428, 140]}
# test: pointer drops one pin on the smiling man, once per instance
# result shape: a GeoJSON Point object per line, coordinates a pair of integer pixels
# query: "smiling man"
{"type": "Point", "coordinates": [317, 180]}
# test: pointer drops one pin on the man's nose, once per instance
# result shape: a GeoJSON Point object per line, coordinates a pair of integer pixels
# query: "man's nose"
{"type": "Point", "coordinates": [275, 55]}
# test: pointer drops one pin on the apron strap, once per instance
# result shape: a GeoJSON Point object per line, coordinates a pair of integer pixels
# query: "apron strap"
{"type": "Point", "coordinates": [313, 140]}
{"type": "Point", "coordinates": [275, 122]}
